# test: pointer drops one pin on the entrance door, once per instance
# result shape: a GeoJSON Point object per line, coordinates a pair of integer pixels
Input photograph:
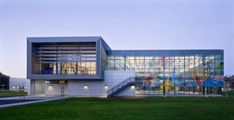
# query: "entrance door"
{"type": "Point", "coordinates": [62, 90]}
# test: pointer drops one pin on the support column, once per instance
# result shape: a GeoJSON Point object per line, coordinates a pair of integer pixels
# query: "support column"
{"type": "Point", "coordinates": [203, 90]}
{"type": "Point", "coordinates": [32, 87]}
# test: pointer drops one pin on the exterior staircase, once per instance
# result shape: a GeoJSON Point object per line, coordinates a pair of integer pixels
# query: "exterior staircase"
{"type": "Point", "coordinates": [119, 87]}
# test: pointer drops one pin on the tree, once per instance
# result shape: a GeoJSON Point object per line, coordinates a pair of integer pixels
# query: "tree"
{"type": "Point", "coordinates": [4, 81]}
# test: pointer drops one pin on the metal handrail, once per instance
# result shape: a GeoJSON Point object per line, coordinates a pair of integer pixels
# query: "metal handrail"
{"type": "Point", "coordinates": [120, 85]}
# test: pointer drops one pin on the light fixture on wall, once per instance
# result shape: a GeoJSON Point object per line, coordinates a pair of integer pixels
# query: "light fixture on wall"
{"type": "Point", "coordinates": [47, 82]}
{"type": "Point", "coordinates": [133, 87]}
{"type": "Point", "coordinates": [106, 87]}
{"type": "Point", "coordinates": [50, 86]}
{"type": "Point", "coordinates": [85, 87]}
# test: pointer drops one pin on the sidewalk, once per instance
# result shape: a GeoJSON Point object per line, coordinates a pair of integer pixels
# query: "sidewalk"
{"type": "Point", "coordinates": [35, 99]}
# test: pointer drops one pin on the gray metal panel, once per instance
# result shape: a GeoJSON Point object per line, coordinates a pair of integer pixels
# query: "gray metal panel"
{"type": "Point", "coordinates": [64, 77]}
{"type": "Point", "coordinates": [29, 58]}
{"type": "Point", "coordinates": [98, 54]}
{"type": "Point", "coordinates": [31, 40]}
{"type": "Point", "coordinates": [62, 39]}
{"type": "Point", "coordinates": [163, 53]}
{"type": "Point", "coordinates": [105, 45]}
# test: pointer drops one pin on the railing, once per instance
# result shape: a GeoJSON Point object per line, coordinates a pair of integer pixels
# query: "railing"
{"type": "Point", "coordinates": [120, 86]}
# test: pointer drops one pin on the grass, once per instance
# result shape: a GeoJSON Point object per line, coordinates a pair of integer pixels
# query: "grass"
{"type": "Point", "coordinates": [12, 93]}
{"type": "Point", "coordinates": [169, 108]}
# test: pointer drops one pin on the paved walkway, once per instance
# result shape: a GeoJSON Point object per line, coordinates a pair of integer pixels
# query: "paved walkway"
{"type": "Point", "coordinates": [35, 99]}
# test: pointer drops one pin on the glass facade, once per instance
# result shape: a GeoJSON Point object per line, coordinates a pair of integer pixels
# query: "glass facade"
{"type": "Point", "coordinates": [64, 58]}
{"type": "Point", "coordinates": [171, 74]}
{"type": "Point", "coordinates": [158, 72]}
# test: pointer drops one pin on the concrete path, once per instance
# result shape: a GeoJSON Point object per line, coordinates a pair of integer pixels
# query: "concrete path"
{"type": "Point", "coordinates": [34, 99]}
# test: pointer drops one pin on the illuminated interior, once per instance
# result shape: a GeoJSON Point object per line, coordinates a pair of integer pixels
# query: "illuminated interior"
{"type": "Point", "coordinates": [169, 75]}
{"type": "Point", "coordinates": [75, 58]}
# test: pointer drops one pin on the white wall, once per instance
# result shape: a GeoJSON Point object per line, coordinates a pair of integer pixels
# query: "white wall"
{"type": "Point", "coordinates": [55, 89]}
{"type": "Point", "coordinates": [128, 91]}
{"type": "Point", "coordinates": [95, 88]}
{"type": "Point", "coordinates": [114, 77]}
{"type": "Point", "coordinates": [38, 87]}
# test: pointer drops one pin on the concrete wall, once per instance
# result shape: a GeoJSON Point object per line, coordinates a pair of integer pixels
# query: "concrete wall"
{"type": "Point", "coordinates": [55, 89]}
{"type": "Point", "coordinates": [94, 88]}
{"type": "Point", "coordinates": [87, 88]}
{"type": "Point", "coordinates": [98, 88]}
{"type": "Point", "coordinates": [37, 87]}
{"type": "Point", "coordinates": [129, 91]}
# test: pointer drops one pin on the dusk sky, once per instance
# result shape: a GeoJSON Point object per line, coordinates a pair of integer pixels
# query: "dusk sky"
{"type": "Point", "coordinates": [123, 24]}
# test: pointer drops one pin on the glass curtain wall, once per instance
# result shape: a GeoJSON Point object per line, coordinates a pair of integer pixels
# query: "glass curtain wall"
{"type": "Point", "coordinates": [170, 75]}
{"type": "Point", "coordinates": [75, 58]}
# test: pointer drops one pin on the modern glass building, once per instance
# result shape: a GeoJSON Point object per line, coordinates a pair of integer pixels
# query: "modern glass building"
{"type": "Point", "coordinates": [87, 66]}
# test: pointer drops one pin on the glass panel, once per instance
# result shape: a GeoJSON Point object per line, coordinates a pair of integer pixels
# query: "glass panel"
{"type": "Point", "coordinates": [64, 58]}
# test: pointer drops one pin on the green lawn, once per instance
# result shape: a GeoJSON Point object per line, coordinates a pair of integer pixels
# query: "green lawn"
{"type": "Point", "coordinates": [158, 108]}
{"type": "Point", "coordinates": [12, 93]}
